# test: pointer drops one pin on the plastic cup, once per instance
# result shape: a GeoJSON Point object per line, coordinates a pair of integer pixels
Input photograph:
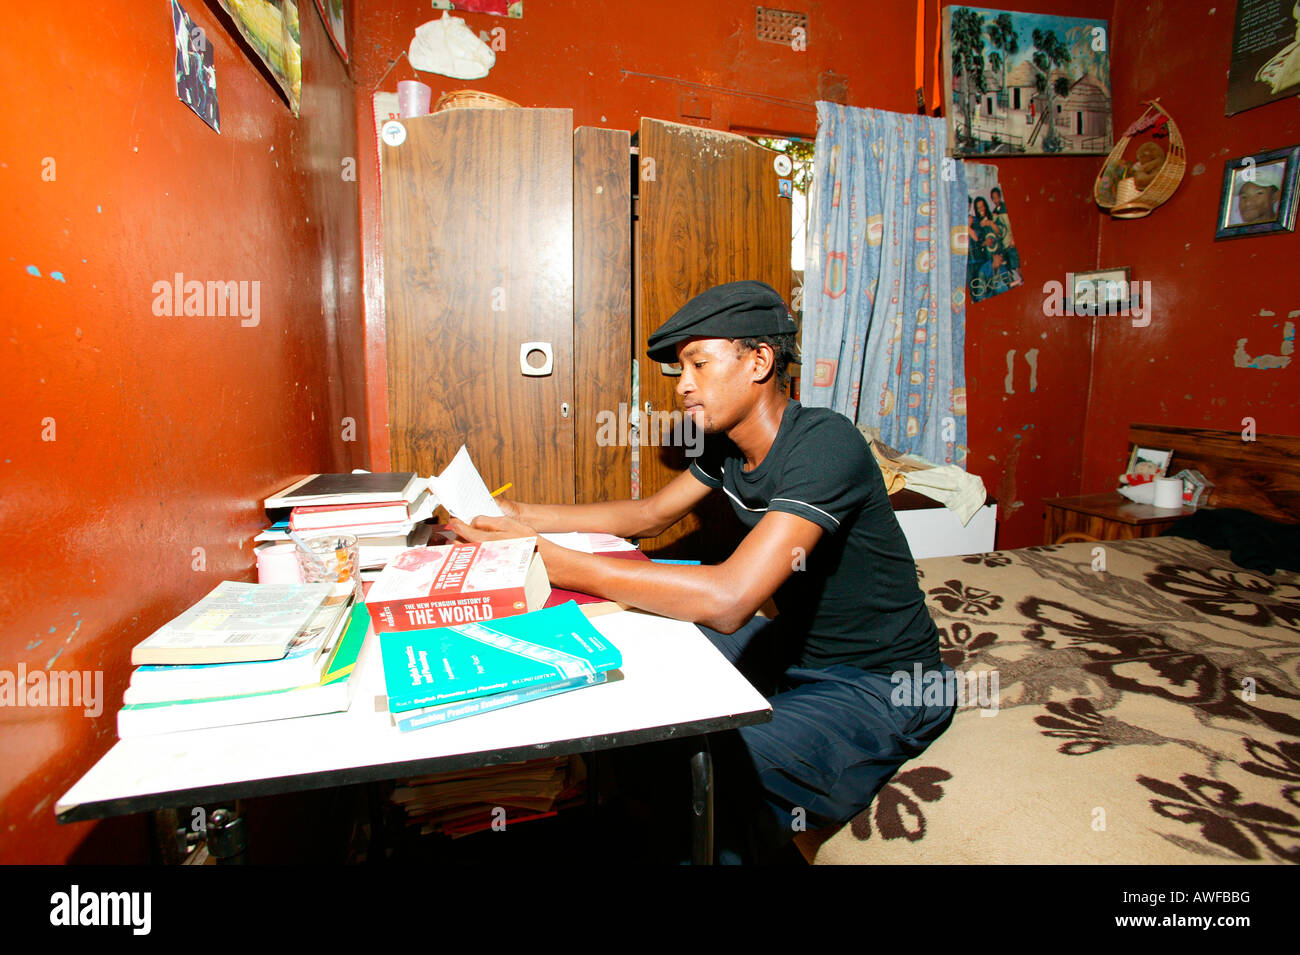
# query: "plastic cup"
{"type": "Point", "coordinates": [413, 98]}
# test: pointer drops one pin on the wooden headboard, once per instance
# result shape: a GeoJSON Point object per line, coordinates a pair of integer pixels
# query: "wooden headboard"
{"type": "Point", "coordinates": [1262, 475]}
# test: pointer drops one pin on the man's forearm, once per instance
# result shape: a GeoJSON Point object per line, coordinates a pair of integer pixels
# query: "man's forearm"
{"type": "Point", "coordinates": [700, 594]}
{"type": "Point", "coordinates": [621, 518]}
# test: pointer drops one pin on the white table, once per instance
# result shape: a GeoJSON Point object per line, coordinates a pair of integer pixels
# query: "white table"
{"type": "Point", "coordinates": [675, 684]}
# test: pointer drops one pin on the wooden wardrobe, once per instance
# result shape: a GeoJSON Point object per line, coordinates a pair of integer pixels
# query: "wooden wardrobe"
{"type": "Point", "coordinates": [512, 248]}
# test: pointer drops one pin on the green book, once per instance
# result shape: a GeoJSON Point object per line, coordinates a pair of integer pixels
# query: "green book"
{"type": "Point", "coordinates": [464, 661]}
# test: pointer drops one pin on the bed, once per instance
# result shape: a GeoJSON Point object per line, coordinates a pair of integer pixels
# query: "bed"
{"type": "Point", "coordinates": [1123, 701]}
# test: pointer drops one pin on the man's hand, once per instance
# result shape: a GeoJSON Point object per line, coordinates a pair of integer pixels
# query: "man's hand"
{"type": "Point", "coordinates": [490, 528]}
{"type": "Point", "coordinates": [510, 509]}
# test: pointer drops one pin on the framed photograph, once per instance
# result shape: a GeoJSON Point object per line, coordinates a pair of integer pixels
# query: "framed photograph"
{"type": "Point", "coordinates": [1025, 83]}
{"type": "Point", "coordinates": [1104, 292]}
{"type": "Point", "coordinates": [1149, 461]}
{"type": "Point", "coordinates": [1259, 194]}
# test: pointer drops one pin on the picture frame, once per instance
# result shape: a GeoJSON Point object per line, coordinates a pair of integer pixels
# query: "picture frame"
{"type": "Point", "coordinates": [336, 24]}
{"type": "Point", "coordinates": [1101, 292]}
{"type": "Point", "coordinates": [1266, 182]}
{"type": "Point", "coordinates": [1034, 84]}
{"type": "Point", "coordinates": [1144, 457]}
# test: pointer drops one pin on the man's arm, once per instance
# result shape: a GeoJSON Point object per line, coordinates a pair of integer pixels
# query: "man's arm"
{"type": "Point", "coordinates": [722, 596]}
{"type": "Point", "coordinates": [644, 518]}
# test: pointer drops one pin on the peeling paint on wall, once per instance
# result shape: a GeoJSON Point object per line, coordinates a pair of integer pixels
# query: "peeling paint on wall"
{"type": "Point", "coordinates": [1242, 359]}
{"type": "Point", "coordinates": [1031, 357]}
{"type": "Point", "coordinates": [1007, 383]}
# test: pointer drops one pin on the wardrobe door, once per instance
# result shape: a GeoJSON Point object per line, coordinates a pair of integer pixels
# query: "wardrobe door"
{"type": "Point", "coordinates": [478, 261]}
{"type": "Point", "coordinates": [602, 314]}
{"type": "Point", "coordinates": [709, 212]}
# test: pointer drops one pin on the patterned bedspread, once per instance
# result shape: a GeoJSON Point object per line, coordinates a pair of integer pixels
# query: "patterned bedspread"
{"type": "Point", "coordinates": [1124, 702]}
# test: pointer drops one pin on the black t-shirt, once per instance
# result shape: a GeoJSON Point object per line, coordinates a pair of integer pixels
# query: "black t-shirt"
{"type": "Point", "coordinates": [857, 601]}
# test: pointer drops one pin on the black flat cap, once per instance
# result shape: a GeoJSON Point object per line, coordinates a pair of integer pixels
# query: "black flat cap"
{"type": "Point", "coordinates": [735, 310]}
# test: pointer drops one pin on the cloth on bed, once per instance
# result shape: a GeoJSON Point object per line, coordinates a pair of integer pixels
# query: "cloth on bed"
{"type": "Point", "coordinates": [956, 489]}
{"type": "Point", "coordinates": [1253, 541]}
{"type": "Point", "coordinates": [1139, 703]}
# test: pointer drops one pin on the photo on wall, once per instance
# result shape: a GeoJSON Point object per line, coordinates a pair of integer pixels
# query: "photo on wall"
{"type": "Point", "coordinates": [1027, 83]}
{"type": "Point", "coordinates": [1259, 194]}
{"type": "Point", "coordinates": [993, 261]}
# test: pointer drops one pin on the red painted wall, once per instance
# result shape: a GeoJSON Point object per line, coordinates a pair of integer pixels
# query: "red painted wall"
{"type": "Point", "coordinates": [166, 432]}
{"type": "Point", "coordinates": [1179, 370]}
{"type": "Point", "coordinates": [1026, 429]}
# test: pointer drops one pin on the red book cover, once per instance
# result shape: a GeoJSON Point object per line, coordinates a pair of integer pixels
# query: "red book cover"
{"type": "Point", "coordinates": [331, 516]}
{"type": "Point", "coordinates": [425, 587]}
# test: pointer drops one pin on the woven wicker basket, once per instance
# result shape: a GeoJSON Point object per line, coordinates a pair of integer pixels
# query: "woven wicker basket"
{"type": "Point", "coordinates": [1129, 203]}
{"type": "Point", "coordinates": [473, 99]}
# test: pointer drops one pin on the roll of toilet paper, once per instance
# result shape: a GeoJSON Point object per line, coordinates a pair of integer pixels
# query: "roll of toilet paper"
{"type": "Point", "coordinates": [1169, 493]}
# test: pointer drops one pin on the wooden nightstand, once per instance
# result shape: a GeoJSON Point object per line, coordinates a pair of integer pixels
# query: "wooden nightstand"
{"type": "Point", "coordinates": [1108, 516]}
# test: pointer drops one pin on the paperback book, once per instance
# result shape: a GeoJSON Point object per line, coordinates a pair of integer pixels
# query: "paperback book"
{"type": "Point", "coordinates": [236, 622]}
{"type": "Point", "coordinates": [458, 583]}
{"type": "Point", "coordinates": [303, 663]}
{"type": "Point", "coordinates": [441, 713]}
{"type": "Point", "coordinates": [466, 661]}
{"type": "Point", "coordinates": [332, 693]}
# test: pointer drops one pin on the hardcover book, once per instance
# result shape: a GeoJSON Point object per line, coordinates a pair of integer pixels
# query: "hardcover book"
{"type": "Point", "coordinates": [360, 488]}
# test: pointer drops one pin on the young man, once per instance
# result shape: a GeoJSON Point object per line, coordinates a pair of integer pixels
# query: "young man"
{"type": "Point", "coordinates": [822, 541]}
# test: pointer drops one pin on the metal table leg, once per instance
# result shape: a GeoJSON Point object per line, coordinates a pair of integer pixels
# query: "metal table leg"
{"type": "Point", "coordinates": [702, 803]}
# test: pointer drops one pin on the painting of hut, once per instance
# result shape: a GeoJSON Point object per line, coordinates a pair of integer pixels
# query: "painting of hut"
{"type": "Point", "coordinates": [1026, 83]}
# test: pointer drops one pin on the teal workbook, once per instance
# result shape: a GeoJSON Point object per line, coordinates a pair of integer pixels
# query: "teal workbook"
{"type": "Point", "coordinates": [440, 713]}
{"type": "Point", "coordinates": [460, 662]}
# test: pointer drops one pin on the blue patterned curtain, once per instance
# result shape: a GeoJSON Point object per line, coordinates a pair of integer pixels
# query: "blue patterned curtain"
{"type": "Point", "coordinates": [884, 323]}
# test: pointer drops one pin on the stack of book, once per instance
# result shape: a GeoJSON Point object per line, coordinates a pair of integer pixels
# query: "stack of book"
{"type": "Point", "coordinates": [385, 511]}
{"type": "Point", "coordinates": [246, 653]}
{"type": "Point", "coordinates": [460, 633]}
{"type": "Point", "coordinates": [466, 801]}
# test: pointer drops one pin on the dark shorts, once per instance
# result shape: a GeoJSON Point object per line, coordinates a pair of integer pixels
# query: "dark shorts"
{"type": "Point", "coordinates": [834, 740]}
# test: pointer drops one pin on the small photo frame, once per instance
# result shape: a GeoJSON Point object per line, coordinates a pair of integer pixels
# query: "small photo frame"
{"type": "Point", "coordinates": [1259, 194]}
{"type": "Point", "coordinates": [1103, 292]}
{"type": "Point", "coordinates": [1149, 461]}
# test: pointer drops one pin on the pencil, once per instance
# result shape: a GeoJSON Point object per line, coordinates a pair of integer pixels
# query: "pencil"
{"type": "Point", "coordinates": [503, 488]}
